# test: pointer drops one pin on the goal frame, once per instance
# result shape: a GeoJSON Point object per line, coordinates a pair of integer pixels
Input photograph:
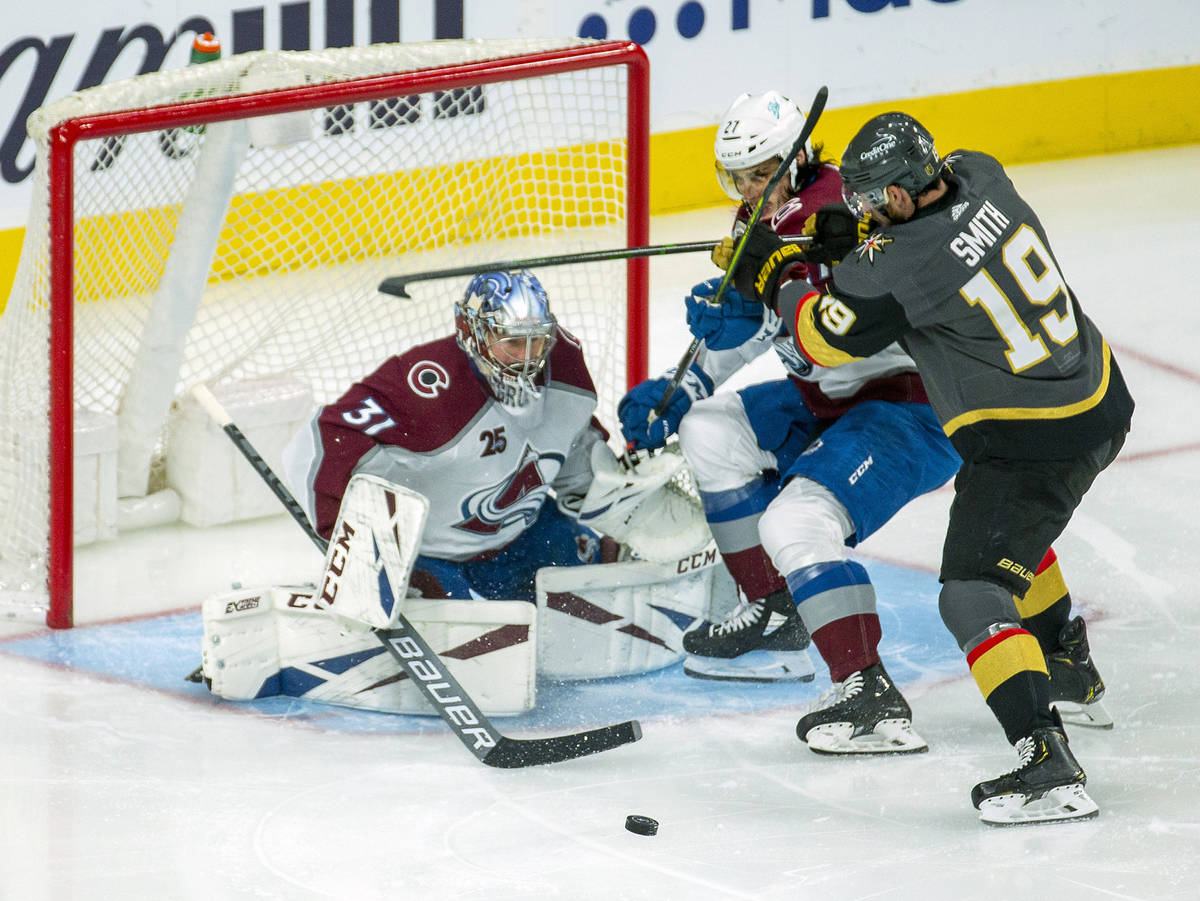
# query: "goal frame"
{"type": "Point", "coordinates": [64, 136]}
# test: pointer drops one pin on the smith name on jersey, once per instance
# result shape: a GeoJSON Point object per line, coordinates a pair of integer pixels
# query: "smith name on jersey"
{"type": "Point", "coordinates": [426, 420]}
{"type": "Point", "coordinates": [974, 264]}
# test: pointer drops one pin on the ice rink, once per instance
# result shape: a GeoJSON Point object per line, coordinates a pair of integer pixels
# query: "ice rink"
{"type": "Point", "coordinates": [122, 781]}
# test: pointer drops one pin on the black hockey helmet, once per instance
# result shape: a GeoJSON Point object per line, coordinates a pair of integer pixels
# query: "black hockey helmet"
{"type": "Point", "coordinates": [891, 149]}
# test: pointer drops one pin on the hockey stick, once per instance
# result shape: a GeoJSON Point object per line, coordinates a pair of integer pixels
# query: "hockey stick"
{"type": "Point", "coordinates": [689, 357]}
{"type": "Point", "coordinates": [396, 284]}
{"type": "Point", "coordinates": [426, 670]}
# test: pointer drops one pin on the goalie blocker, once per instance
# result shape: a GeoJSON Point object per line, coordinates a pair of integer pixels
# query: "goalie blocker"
{"type": "Point", "coordinates": [589, 621]}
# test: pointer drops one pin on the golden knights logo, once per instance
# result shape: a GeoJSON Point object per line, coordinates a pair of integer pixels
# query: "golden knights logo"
{"type": "Point", "coordinates": [872, 245]}
{"type": "Point", "coordinates": [518, 498]}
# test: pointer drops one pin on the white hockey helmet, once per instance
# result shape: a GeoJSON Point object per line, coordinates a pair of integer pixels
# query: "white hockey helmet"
{"type": "Point", "coordinates": [504, 324]}
{"type": "Point", "coordinates": [757, 128]}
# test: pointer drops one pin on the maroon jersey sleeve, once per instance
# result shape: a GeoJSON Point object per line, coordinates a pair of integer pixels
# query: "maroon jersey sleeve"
{"type": "Point", "coordinates": [419, 401]}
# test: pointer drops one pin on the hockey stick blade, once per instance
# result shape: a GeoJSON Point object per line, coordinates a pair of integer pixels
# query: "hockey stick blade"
{"type": "Point", "coordinates": [689, 356]}
{"type": "Point", "coordinates": [419, 661]}
{"type": "Point", "coordinates": [473, 728]}
{"type": "Point", "coordinates": [397, 285]}
{"type": "Point", "coordinates": [511, 753]}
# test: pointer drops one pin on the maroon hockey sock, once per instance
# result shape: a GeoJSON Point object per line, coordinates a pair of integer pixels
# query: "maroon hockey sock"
{"type": "Point", "coordinates": [754, 573]}
{"type": "Point", "coordinates": [849, 644]}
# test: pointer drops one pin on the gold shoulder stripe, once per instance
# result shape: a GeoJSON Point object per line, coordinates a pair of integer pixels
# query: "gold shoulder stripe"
{"type": "Point", "coordinates": [1064, 412]}
{"type": "Point", "coordinates": [808, 336]}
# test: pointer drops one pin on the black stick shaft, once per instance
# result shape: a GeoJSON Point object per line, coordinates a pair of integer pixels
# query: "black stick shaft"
{"type": "Point", "coordinates": [396, 285]}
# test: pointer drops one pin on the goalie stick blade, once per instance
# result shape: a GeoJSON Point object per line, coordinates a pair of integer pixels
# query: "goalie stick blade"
{"type": "Point", "coordinates": [511, 753]}
{"type": "Point", "coordinates": [431, 676]}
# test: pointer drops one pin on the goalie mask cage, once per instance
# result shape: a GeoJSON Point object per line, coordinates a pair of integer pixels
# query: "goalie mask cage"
{"type": "Point", "coordinates": [231, 220]}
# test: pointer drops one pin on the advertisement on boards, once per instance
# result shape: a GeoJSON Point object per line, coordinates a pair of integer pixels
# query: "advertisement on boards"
{"type": "Point", "coordinates": [702, 52]}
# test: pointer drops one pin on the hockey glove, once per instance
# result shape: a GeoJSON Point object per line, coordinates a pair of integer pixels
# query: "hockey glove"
{"type": "Point", "coordinates": [723, 253]}
{"type": "Point", "coordinates": [635, 408]}
{"type": "Point", "coordinates": [730, 324]}
{"type": "Point", "coordinates": [835, 232]}
{"type": "Point", "coordinates": [762, 264]}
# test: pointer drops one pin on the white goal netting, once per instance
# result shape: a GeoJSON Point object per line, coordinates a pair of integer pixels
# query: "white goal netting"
{"type": "Point", "coordinates": [231, 221]}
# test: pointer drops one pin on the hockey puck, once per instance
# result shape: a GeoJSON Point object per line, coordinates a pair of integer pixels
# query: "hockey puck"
{"type": "Point", "coordinates": [641, 825]}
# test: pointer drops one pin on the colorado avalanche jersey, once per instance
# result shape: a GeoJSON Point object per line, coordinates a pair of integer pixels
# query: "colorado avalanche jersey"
{"type": "Point", "coordinates": [889, 374]}
{"type": "Point", "coordinates": [427, 421]}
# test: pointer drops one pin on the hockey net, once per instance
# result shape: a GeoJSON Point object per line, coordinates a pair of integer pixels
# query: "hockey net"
{"type": "Point", "coordinates": [230, 222]}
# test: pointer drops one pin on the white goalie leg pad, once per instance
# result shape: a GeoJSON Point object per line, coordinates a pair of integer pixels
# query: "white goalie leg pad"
{"type": "Point", "coordinates": [618, 619]}
{"type": "Point", "coordinates": [372, 550]}
{"type": "Point", "coordinates": [285, 641]}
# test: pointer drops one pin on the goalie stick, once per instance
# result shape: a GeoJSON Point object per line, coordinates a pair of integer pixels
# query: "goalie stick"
{"type": "Point", "coordinates": [423, 666]}
{"type": "Point", "coordinates": [396, 284]}
{"type": "Point", "coordinates": [689, 356]}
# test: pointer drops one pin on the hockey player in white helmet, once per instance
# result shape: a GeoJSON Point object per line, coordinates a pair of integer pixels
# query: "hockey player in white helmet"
{"type": "Point", "coordinates": [755, 132]}
{"type": "Point", "coordinates": [793, 472]}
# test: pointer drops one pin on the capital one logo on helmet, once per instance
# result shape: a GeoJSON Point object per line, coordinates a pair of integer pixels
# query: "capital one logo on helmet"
{"type": "Point", "coordinates": [879, 149]}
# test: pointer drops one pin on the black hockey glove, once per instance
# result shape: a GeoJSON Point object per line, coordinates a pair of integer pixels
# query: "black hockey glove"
{"type": "Point", "coordinates": [764, 259]}
{"type": "Point", "coordinates": [835, 232]}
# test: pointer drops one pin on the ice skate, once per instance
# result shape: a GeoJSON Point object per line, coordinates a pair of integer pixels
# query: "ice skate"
{"type": "Point", "coordinates": [760, 641]}
{"type": "Point", "coordinates": [864, 714]}
{"type": "Point", "coordinates": [1075, 684]}
{"type": "Point", "coordinates": [1048, 786]}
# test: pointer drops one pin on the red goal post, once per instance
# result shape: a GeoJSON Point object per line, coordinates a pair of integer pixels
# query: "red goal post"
{"type": "Point", "coordinates": [229, 222]}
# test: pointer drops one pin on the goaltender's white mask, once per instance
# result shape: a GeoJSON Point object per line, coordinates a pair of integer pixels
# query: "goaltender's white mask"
{"type": "Point", "coordinates": [504, 324]}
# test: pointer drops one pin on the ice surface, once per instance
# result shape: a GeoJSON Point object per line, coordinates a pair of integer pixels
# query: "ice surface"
{"type": "Point", "coordinates": [121, 782]}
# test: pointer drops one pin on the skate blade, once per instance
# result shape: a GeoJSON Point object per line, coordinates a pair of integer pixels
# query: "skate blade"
{"type": "Point", "coordinates": [1094, 715]}
{"type": "Point", "coordinates": [1058, 805]}
{"type": "Point", "coordinates": [889, 737]}
{"type": "Point", "coordinates": [754, 666]}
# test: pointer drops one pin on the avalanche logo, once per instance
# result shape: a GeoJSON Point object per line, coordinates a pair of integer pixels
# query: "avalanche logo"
{"type": "Point", "coordinates": [517, 499]}
{"type": "Point", "coordinates": [428, 378]}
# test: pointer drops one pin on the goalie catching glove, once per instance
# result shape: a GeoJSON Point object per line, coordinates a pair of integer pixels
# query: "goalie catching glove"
{"type": "Point", "coordinates": [640, 507]}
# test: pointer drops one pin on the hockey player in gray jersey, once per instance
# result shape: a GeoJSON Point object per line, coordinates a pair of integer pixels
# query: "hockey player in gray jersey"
{"type": "Point", "coordinates": [961, 274]}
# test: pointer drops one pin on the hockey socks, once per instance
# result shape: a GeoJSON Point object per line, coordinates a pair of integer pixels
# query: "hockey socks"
{"type": "Point", "coordinates": [837, 602]}
{"type": "Point", "coordinates": [1075, 684]}
{"type": "Point", "coordinates": [1011, 674]}
{"type": "Point", "coordinates": [1047, 604]}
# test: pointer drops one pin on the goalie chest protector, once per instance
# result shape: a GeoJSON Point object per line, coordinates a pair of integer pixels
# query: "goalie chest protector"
{"type": "Point", "coordinates": [425, 420]}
